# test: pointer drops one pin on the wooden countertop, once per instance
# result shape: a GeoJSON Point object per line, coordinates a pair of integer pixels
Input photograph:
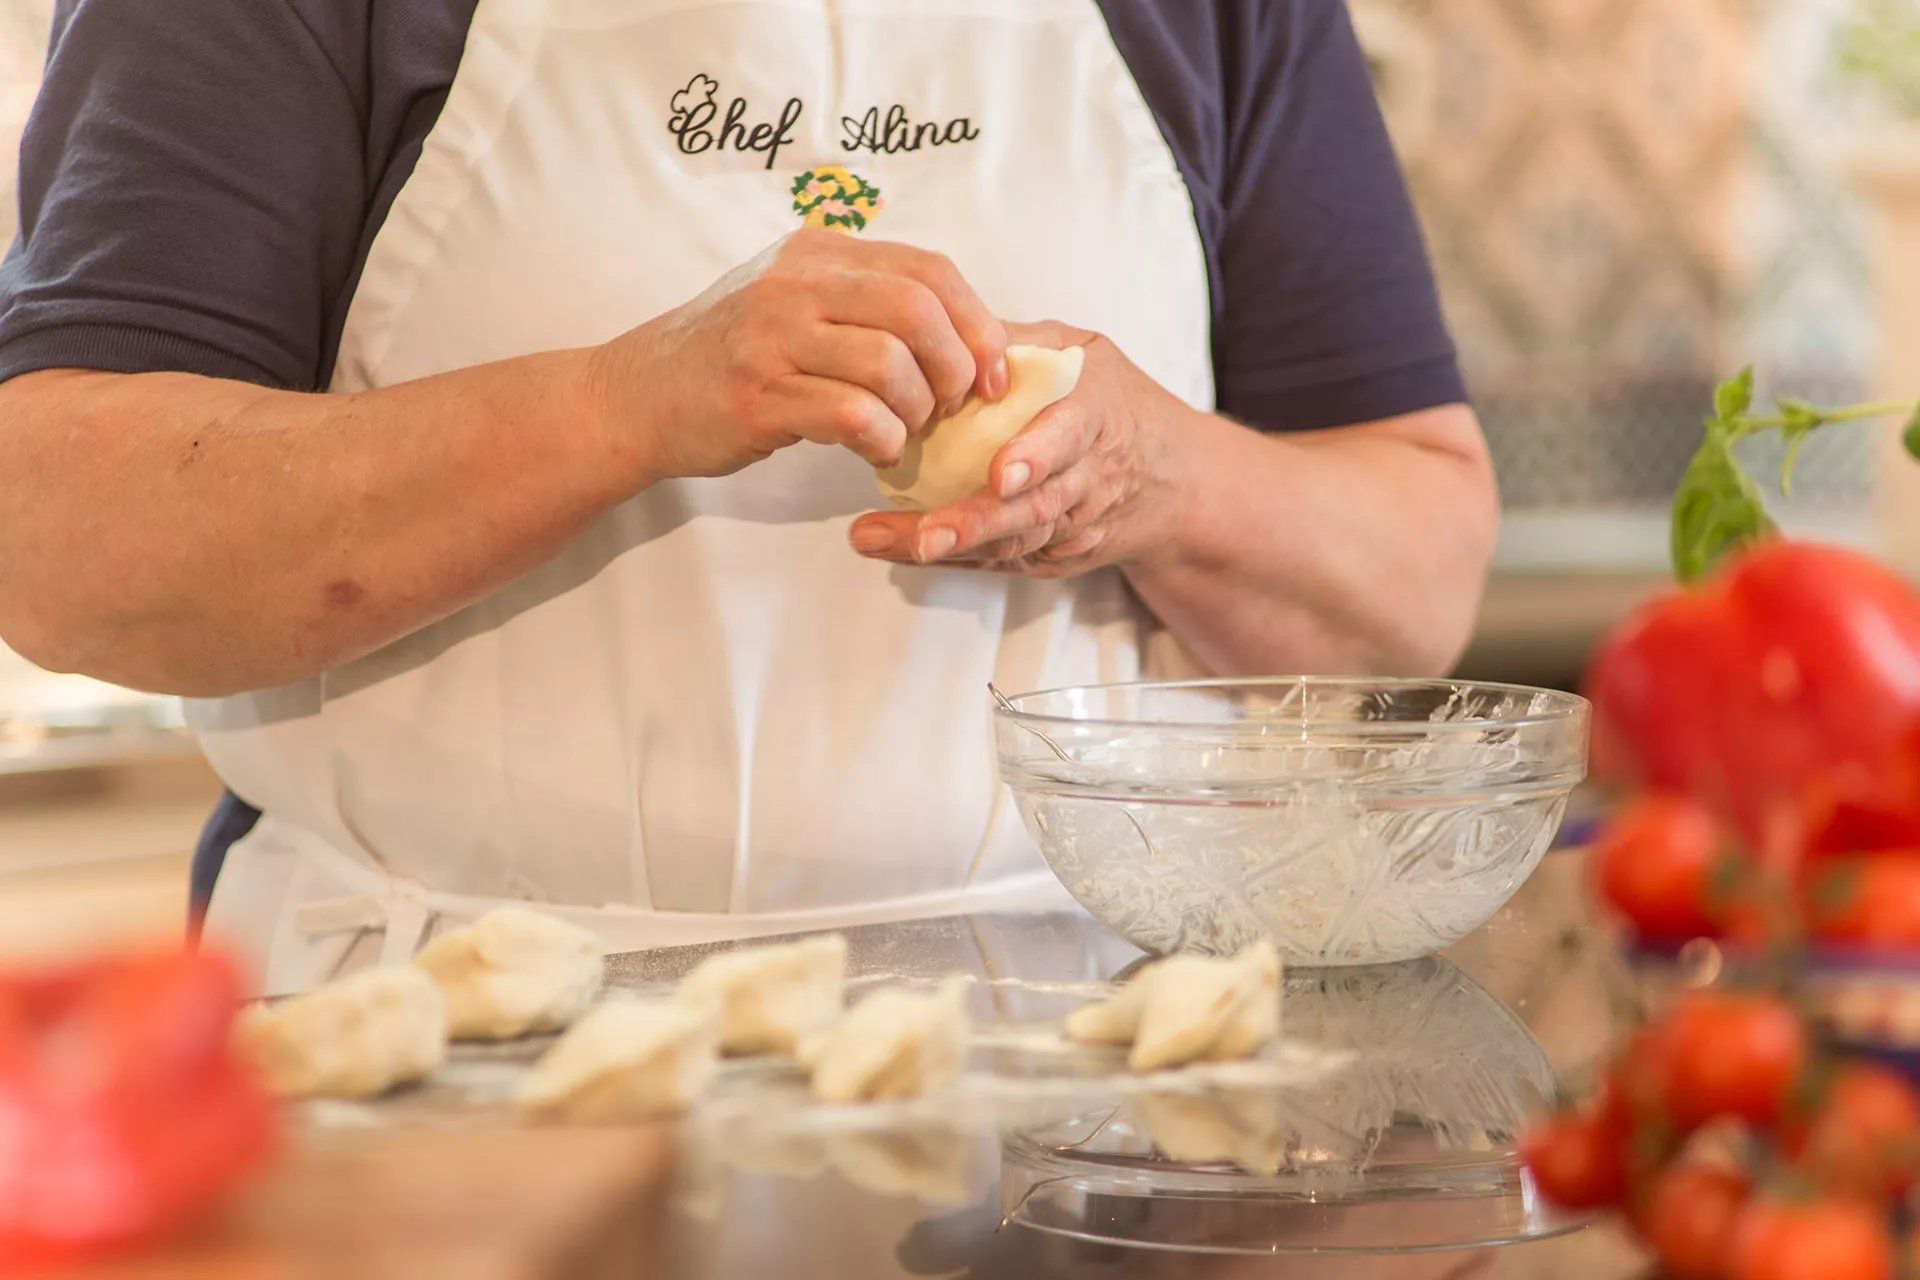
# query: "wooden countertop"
{"type": "Point", "coordinates": [505, 1204]}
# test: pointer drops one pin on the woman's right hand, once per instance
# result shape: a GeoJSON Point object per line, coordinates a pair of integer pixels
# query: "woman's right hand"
{"type": "Point", "coordinates": [823, 337]}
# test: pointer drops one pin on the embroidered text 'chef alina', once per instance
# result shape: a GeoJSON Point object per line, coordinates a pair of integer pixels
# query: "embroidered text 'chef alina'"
{"type": "Point", "coordinates": [700, 124]}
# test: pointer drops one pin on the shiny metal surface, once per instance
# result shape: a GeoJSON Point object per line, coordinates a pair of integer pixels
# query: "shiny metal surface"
{"type": "Point", "coordinates": [1409, 1173]}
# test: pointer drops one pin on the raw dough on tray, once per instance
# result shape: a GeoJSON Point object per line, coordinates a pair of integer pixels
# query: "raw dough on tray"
{"type": "Point", "coordinates": [626, 1060]}
{"type": "Point", "coordinates": [893, 1044]}
{"type": "Point", "coordinates": [770, 998]}
{"type": "Point", "coordinates": [513, 972]}
{"type": "Point", "coordinates": [1189, 1009]}
{"type": "Point", "coordinates": [949, 460]}
{"type": "Point", "coordinates": [353, 1038]}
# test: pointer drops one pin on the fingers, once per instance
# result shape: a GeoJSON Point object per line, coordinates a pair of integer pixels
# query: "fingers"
{"type": "Point", "coordinates": [1042, 553]}
{"type": "Point", "coordinates": [1048, 333]}
{"type": "Point", "coordinates": [885, 535]}
{"type": "Point", "coordinates": [1048, 446]}
{"type": "Point", "coordinates": [914, 316]}
{"type": "Point", "coordinates": [978, 327]}
{"type": "Point", "coordinates": [826, 411]}
{"type": "Point", "coordinates": [873, 359]}
{"type": "Point", "coordinates": [972, 523]}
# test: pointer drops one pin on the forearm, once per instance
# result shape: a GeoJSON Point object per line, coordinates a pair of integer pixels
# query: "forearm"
{"type": "Point", "coordinates": [200, 536]}
{"type": "Point", "coordinates": [1360, 550]}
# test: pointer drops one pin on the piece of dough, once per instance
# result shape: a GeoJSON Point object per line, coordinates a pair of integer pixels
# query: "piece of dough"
{"type": "Point", "coordinates": [1189, 1009]}
{"type": "Point", "coordinates": [513, 972]}
{"type": "Point", "coordinates": [353, 1038]}
{"type": "Point", "coordinates": [928, 1165]}
{"type": "Point", "coordinates": [949, 460]}
{"type": "Point", "coordinates": [1237, 1125]}
{"type": "Point", "coordinates": [626, 1060]}
{"type": "Point", "coordinates": [769, 998]}
{"type": "Point", "coordinates": [893, 1044]}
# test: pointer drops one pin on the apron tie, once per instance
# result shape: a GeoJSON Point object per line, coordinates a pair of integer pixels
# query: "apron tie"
{"type": "Point", "coordinates": [402, 910]}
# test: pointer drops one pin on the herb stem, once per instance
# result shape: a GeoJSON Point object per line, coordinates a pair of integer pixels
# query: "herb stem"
{"type": "Point", "coordinates": [1884, 409]}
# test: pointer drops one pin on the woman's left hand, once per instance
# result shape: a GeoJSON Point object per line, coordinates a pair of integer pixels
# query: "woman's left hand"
{"type": "Point", "coordinates": [1090, 482]}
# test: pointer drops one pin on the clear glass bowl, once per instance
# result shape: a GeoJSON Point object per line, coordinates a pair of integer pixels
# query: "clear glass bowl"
{"type": "Point", "coordinates": [1351, 821]}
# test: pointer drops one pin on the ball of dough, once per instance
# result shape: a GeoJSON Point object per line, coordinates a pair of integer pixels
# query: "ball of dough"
{"type": "Point", "coordinates": [353, 1038]}
{"type": "Point", "coordinates": [769, 998]}
{"type": "Point", "coordinates": [626, 1060]}
{"type": "Point", "coordinates": [513, 972]}
{"type": "Point", "coordinates": [893, 1044]}
{"type": "Point", "coordinates": [1190, 1009]}
{"type": "Point", "coordinates": [949, 460]}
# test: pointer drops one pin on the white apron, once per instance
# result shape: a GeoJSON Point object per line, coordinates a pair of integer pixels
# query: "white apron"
{"type": "Point", "coordinates": [708, 718]}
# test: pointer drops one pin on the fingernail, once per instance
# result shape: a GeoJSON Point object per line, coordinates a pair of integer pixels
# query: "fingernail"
{"type": "Point", "coordinates": [935, 543]}
{"type": "Point", "coordinates": [999, 380]}
{"type": "Point", "coordinates": [1014, 479]}
{"type": "Point", "coordinates": [869, 539]}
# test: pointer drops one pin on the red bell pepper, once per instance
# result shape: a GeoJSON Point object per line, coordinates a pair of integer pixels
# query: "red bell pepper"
{"type": "Point", "coordinates": [1783, 693]}
{"type": "Point", "coordinates": [124, 1111]}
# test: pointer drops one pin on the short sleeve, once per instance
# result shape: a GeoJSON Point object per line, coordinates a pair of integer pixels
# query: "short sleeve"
{"type": "Point", "coordinates": [1328, 314]}
{"type": "Point", "coordinates": [192, 189]}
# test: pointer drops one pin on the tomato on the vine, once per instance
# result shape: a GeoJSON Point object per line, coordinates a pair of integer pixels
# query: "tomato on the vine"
{"type": "Point", "coordinates": [1577, 1161]}
{"type": "Point", "coordinates": [1656, 862]}
{"type": "Point", "coordinates": [1871, 902]}
{"type": "Point", "coordinates": [1862, 1136]}
{"type": "Point", "coordinates": [1687, 1218]}
{"type": "Point", "coordinates": [1828, 1239]}
{"type": "Point", "coordinates": [1784, 694]}
{"type": "Point", "coordinates": [1731, 1054]}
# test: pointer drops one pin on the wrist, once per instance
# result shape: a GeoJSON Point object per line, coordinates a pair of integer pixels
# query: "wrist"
{"type": "Point", "coordinates": [1174, 449]}
{"type": "Point", "coordinates": [620, 425]}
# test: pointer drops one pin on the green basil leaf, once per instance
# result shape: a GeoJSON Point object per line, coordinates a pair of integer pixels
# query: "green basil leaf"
{"type": "Point", "coordinates": [1717, 510]}
{"type": "Point", "coordinates": [1734, 396]}
{"type": "Point", "coordinates": [1911, 437]}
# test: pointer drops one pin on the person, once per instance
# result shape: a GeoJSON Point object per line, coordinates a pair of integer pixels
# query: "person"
{"type": "Point", "coordinates": [472, 408]}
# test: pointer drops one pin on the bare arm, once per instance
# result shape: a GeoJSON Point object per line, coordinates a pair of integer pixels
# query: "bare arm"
{"type": "Point", "coordinates": [199, 536]}
{"type": "Point", "coordinates": [1357, 550]}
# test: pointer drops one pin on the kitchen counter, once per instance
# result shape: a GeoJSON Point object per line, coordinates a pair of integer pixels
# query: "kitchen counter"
{"type": "Point", "coordinates": [1403, 1144]}
{"type": "Point", "coordinates": [1394, 1100]}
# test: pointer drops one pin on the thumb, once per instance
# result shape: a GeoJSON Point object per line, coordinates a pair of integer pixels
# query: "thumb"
{"type": "Point", "coordinates": [1048, 333]}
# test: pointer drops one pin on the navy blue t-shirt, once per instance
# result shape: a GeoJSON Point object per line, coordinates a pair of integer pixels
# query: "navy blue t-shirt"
{"type": "Point", "coordinates": [200, 182]}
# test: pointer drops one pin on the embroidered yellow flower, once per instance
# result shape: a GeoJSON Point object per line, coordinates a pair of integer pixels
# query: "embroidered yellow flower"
{"type": "Point", "coordinates": [835, 198]}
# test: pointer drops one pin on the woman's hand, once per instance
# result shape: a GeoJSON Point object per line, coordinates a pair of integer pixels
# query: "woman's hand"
{"type": "Point", "coordinates": [823, 337]}
{"type": "Point", "coordinates": [1091, 482]}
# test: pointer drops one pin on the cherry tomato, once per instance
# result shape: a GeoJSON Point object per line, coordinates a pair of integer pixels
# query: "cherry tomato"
{"type": "Point", "coordinates": [1687, 1218]}
{"type": "Point", "coordinates": [1811, 1240]}
{"type": "Point", "coordinates": [124, 1111]}
{"type": "Point", "coordinates": [1577, 1161]}
{"type": "Point", "coordinates": [1655, 864]}
{"type": "Point", "coordinates": [1872, 903]}
{"type": "Point", "coordinates": [1730, 1054]}
{"type": "Point", "coordinates": [1863, 1136]}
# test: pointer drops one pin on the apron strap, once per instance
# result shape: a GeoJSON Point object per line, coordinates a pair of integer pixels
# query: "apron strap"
{"type": "Point", "coordinates": [402, 913]}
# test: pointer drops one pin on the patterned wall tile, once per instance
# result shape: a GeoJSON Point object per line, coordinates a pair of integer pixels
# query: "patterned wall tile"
{"type": "Point", "coordinates": [1627, 199]}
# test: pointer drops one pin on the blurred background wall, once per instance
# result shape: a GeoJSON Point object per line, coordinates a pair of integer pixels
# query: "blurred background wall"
{"type": "Point", "coordinates": [1627, 201]}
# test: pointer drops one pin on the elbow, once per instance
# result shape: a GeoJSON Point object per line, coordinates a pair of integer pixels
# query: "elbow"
{"type": "Point", "coordinates": [1461, 563]}
{"type": "Point", "coordinates": [58, 638]}
{"type": "Point", "coordinates": [103, 650]}
{"type": "Point", "coordinates": [40, 638]}
{"type": "Point", "coordinates": [119, 641]}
